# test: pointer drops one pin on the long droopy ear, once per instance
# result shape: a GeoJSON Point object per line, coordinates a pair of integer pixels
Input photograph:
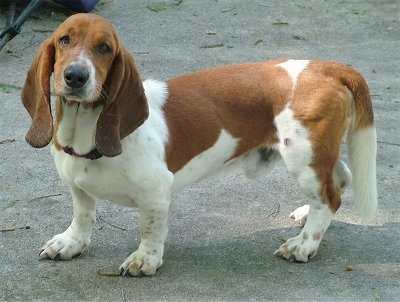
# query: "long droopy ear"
{"type": "Point", "coordinates": [36, 96]}
{"type": "Point", "coordinates": [126, 105]}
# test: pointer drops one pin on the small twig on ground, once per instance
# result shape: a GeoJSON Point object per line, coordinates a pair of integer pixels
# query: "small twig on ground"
{"type": "Point", "coordinates": [107, 273]}
{"type": "Point", "coordinates": [274, 213]}
{"type": "Point", "coordinates": [8, 229]}
{"type": "Point", "coordinates": [156, 8]}
{"type": "Point", "coordinates": [388, 143]}
{"type": "Point", "coordinates": [141, 52]}
{"type": "Point", "coordinates": [279, 22]}
{"type": "Point", "coordinates": [7, 141]}
{"type": "Point", "coordinates": [45, 196]}
{"type": "Point", "coordinates": [13, 228]}
{"type": "Point", "coordinates": [42, 30]}
{"type": "Point", "coordinates": [262, 4]}
{"type": "Point", "coordinates": [110, 224]}
{"type": "Point", "coordinates": [227, 10]}
{"type": "Point", "coordinates": [212, 45]}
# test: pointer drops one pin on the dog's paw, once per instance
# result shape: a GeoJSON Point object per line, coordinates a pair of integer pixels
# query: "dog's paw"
{"type": "Point", "coordinates": [300, 248]}
{"type": "Point", "coordinates": [300, 214]}
{"type": "Point", "coordinates": [65, 246]}
{"type": "Point", "coordinates": [141, 264]}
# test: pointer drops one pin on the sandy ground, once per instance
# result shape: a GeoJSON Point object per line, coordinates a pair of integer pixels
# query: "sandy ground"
{"type": "Point", "coordinates": [222, 231]}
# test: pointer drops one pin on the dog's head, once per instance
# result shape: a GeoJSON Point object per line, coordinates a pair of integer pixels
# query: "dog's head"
{"type": "Point", "coordinates": [90, 65]}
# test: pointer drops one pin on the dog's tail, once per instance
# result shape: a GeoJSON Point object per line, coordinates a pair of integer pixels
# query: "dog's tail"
{"type": "Point", "coordinates": [361, 144]}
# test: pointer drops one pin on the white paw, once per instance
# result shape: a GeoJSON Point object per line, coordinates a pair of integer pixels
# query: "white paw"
{"type": "Point", "coordinates": [141, 263]}
{"type": "Point", "coordinates": [65, 246]}
{"type": "Point", "coordinates": [300, 214]}
{"type": "Point", "coordinates": [300, 248]}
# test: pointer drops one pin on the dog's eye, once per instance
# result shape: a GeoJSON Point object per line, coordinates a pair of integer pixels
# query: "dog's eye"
{"type": "Point", "coordinates": [64, 40]}
{"type": "Point", "coordinates": [104, 48]}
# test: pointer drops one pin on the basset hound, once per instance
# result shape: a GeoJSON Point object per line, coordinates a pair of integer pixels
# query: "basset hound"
{"type": "Point", "coordinates": [135, 143]}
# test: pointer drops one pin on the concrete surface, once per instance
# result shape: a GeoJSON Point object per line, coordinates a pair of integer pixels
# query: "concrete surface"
{"type": "Point", "coordinates": [223, 231]}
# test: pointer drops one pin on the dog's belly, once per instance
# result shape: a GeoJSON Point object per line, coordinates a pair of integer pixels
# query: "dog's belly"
{"type": "Point", "coordinates": [206, 163]}
{"type": "Point", "coordinates": [218, 159]}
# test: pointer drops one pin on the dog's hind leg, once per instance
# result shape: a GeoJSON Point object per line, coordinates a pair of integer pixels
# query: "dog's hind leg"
{"type": "Point", "coordinates": [342, 178]}
{"type": "Point", "coordinates": [305, 246]}
{"type": "Point", "coordinates": [311, 157]}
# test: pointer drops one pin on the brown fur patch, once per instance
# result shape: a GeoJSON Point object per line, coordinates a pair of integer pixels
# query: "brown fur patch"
{"type": "Point", "coordinates": [242, 99]}
{"type": "Point", "coordinates": [317, 236]}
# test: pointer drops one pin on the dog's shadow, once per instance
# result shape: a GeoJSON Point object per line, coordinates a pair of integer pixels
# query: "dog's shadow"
{"type": "Point", "coordinates": [252, 253]}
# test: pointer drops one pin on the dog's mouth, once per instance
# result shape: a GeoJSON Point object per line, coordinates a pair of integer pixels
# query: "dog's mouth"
{"type": "Point", "coordinates": [73, 94]}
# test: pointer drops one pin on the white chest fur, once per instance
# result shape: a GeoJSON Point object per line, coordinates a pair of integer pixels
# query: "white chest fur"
{"type": "Point", "coordinates": [77, 127]}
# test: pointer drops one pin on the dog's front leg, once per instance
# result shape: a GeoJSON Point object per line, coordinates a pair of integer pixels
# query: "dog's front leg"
{"type": "Point", "coordinates": [76, 238]}
{"type": "Point", "coordinates": [153, 227]}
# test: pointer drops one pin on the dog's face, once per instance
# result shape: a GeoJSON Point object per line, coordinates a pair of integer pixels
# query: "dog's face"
{"type": "Point", "coordinates": [90, 65]}
{"type": "Point", "coordinates": [85, 49]}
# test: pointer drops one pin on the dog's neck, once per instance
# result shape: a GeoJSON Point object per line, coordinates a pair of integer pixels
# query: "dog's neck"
{"type": "Point", "coordinates": [75, 124]}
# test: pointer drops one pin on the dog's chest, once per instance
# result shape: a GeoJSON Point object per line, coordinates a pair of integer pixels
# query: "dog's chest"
{"type": "Point", "coordinates": [124, 179]}
{"type": "Point", "coordinates": [99, 179]}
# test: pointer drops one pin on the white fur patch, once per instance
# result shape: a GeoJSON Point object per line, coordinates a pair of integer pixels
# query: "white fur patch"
{"type": "Point", "coordinates": [156, 93]}
{"type": "Point", "coordinates": [77, 125]}
{"type": "Point", "coordinates": [296, 150]}
{"type": "Point", "coordinates": [91, 90]}
{"type": "Point", "coordinates": [294, 68]}
{"type": "Point", "coordinates": [207, 162]}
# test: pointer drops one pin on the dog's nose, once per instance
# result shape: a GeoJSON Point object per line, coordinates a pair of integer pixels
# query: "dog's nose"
{"type": "Point", "coordinates": [76, 76]}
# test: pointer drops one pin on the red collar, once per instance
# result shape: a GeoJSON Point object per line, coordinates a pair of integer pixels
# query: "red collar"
{"type": "Point", "coordinates": [92, 155]}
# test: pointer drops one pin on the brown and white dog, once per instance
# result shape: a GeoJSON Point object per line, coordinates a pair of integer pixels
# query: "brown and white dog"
{"type": "Point", "coordinates": [135, 143]}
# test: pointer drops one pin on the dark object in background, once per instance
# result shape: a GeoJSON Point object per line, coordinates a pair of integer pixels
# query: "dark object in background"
{"type": "Point", "coordinates": [83, 6]}
{"type": "Point", "coordinates": [13, 28]}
